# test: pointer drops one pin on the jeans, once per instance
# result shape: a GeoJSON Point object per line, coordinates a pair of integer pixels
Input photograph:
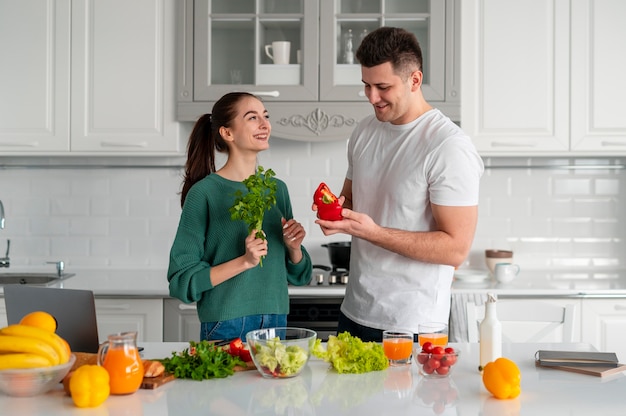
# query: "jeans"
{"type": "Point", "coordinates": [364, 332]}
{"type": "Point", "coordinates": [239, 327]}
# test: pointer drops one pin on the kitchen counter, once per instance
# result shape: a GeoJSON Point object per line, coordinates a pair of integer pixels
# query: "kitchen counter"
{"type": "Point", "coordinates": [321, 391]}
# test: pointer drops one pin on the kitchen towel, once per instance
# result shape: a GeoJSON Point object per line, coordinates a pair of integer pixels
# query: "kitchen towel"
{"type": "Point", "coordinates": [457, 330]}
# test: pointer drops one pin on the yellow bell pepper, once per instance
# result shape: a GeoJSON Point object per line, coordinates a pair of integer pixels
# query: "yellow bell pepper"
{"type": "Point", "coordinates": [89, 386]}
{"type": "Point", "coordinates": [502, 378]}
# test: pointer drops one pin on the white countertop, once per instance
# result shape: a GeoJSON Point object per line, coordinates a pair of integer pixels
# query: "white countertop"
{"type": "Point", "coordinates": [321, 391]}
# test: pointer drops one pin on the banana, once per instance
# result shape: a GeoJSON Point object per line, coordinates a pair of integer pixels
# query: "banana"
{"type": "Point", "coordinates": [23, 360]}
{"type": "Point", "coordinates": [50, 338]}
{"type": "Point", "coordinates": [13, 344]}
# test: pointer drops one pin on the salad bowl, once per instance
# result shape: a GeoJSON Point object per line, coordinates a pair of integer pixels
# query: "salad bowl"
{"type": "Point", "coordinates": [280, 352]}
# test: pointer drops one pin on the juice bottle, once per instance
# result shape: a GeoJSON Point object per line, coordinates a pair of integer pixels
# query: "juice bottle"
{"type": "Point", "coordinates": [120, 357]}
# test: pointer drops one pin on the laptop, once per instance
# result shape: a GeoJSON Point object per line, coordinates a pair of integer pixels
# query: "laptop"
{"type": "Point", "coordinates": [74, 310]}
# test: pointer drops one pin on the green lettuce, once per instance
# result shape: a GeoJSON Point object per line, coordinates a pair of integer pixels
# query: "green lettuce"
{"type": "Point", "coordinates": [349, 354]}
{"type": "Point", "coordinates": [280, 360]}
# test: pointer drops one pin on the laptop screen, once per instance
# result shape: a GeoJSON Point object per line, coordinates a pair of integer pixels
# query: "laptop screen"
{"type": "Point", "coordinates": [73, 309]}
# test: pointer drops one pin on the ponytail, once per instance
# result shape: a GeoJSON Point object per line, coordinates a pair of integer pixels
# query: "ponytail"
{"type": "Point", "coordinates": [205, 139]}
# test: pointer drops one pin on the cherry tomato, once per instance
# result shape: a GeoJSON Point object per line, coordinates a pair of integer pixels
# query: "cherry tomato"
{"type": "Point", "coordinates": [443, 370]}
{"type": "Point", "coordinates": [449, 350]}
{"type": "Point", "coordinates": [438, 352]}
{"type": "Point", "coordinates": [427, 369]}
{"type": "Point", "coordinates": [427, 347]}
{"type": "Point", "coordinates": [422, 357]}
{"type": "Point", "coordinates": [434, 363]}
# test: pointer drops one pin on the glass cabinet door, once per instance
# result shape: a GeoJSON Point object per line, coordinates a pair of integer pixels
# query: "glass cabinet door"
{"type": "Point", "coordinates": [267, 47]}
{"type": "Point", "coordinates": [346, 22]}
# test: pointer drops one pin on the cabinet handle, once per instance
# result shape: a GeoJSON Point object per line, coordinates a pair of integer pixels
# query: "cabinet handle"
{"type": "Point", "coordinates": [612, 143]}
{"type": "Point", "coordinates": [14, 144]}
{"type": "Point", "coordinates": [119, 307]}
{"type": "Point", "coordinates": [513, 144]}
{"type": "Point", "coordinates": [620, 308]}
{"type": "Point", "coordinates": [184, 307]}
{"type": "Point", "coordinates": [266, 93]}
{"type": "Point", "coordinates": [123, 144]}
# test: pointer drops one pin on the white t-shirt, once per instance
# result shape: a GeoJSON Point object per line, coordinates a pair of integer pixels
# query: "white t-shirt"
{"type": "Point", "coordinates": [396, 172]}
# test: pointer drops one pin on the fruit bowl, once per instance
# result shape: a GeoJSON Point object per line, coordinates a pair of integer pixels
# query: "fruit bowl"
{"type": "Point", "coordinates": [437, 363]}
{"type": "Point", "coordinates": [33, 381]}
{"type": "Point", "coordinates": [280, 352]}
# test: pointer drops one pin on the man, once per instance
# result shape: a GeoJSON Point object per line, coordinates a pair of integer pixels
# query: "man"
{"type": "Point", "coordinates": [410, 196]}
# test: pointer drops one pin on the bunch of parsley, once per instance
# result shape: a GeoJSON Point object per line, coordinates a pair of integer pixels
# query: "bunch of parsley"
{"type": "Point", "coordinates": [250, 206]}
{"type": "Point", "coordinates": [202, 360]}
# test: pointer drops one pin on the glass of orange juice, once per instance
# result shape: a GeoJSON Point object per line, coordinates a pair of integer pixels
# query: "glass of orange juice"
{"type": "Point", "coordinates": [434, 332]}
{"type": "Point", "coordinates": [398, 347]}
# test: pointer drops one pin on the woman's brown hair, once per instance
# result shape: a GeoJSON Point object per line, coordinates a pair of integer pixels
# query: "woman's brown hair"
{"type": "Point", "coordinates": [205, 140]}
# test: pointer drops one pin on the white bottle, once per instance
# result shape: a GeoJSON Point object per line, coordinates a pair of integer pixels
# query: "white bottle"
{"type": "Point", "coordinates": [490, 334]}
{"type": "Point", "coordinates": [348, 54]}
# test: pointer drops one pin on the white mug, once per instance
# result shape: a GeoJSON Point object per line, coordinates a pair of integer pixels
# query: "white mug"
{"type": "Point", "coordinates": [506, 272]}
{"type": "Point", "coordinates": [280, 52]}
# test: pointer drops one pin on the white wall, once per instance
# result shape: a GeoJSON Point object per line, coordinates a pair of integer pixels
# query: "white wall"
{"type": "Point", "coordinates": [126, 217]}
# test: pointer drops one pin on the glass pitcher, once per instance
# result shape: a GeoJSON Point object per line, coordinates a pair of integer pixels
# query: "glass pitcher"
{"type": "Point", "coordinates": [119, 355]}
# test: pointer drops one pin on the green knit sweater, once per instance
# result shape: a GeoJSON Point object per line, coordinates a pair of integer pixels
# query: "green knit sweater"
{"type": "Point", "coordinates": [206, 236]}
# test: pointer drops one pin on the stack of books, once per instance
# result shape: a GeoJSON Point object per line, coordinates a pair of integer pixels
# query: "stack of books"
{"type": "Point", "coordinates": [594, 363]}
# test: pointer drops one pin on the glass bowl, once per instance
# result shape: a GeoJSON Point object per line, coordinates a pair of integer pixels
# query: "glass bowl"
{"type": "Point", "coordinates": [435, 365]}
{"type": "Point", "coordinates": [280, 352]}
{"type": "Point", "coordinates": [33, 381]}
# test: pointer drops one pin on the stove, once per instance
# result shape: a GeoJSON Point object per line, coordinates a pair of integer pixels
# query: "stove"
{"type": "Point", "coordinates": [316, 306]}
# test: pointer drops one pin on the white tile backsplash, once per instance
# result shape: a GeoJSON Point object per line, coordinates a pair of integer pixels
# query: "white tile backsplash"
{"type": "Point", "coordinates": [126, 217]}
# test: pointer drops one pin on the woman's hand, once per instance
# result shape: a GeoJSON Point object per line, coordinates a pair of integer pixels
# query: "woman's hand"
{"type": "Point", "coordinates": [255, 249]}
{"type": "Point", "coordinates": [293, 235]}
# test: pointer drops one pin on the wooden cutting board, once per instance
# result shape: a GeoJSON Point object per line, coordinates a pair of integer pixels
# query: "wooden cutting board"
{"type": "Point", "coordinates": [151, 383]}
{"type": "Point", "coordinates": [598, 371]}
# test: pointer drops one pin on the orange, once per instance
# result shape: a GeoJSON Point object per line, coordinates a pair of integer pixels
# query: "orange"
{"type": "Point", "coordinates": [398, 348]}
{"type": "Point", "coordinates": [40, 319]}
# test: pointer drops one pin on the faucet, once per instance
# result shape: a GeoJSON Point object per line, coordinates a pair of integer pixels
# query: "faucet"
{"type": "Point", "coordinates": [4, 261]}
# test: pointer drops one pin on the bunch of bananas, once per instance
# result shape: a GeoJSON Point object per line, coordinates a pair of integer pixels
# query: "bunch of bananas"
{"type": "Point", "coordinates": [26, 346]}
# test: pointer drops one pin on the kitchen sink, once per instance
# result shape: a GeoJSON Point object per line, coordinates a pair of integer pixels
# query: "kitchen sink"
{"type": "Point", "coordinates": [41, 279]}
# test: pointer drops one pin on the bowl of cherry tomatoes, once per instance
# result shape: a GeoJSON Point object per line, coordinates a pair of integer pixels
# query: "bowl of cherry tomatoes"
{"type": "Point", "coordinates": [435, 361]}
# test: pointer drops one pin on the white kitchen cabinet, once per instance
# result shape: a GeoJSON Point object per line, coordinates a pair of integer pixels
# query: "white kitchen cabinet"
{"type": "Point", "coordinates": [180, 321]}
{"type": "Point", "coordinates": [145, 316]}
{"type": "Point", "coordinates": [3, 314]}
{"type": "Point", "coordinates": [543, 77]}
{"type": "Point", "coordinates": [88, 77]}
{"type": "Point", "coordinates": [318, 96]}
{"type": "Point", "coordinates": [604, 324]}
{"type": "Point", "coordinates": [35, 76]}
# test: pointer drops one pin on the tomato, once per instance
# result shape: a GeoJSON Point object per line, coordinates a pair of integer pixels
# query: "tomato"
{"type": "Point", "coordinates": [434, 363]}
{"type": "Point", "coordinates": [443, 370]}
{"type": "Point", "coordinates": [438, 352]}
{"type": "Point", "coordinates": [427, 347]}
{"type": "Point", "coordinates": [422, 358]}
{"type": "Point", "coordinates": [427, 369]}
{"type": "Point", "coordinates": [449, 350]}
{"type": "Point", "coordinates": [235, 346]}
{"type": "Point", "coordinates": [244, 354]}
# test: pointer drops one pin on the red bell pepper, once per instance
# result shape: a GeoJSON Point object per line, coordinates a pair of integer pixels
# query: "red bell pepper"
{"type": "Point", "coordinates": [328, 207]}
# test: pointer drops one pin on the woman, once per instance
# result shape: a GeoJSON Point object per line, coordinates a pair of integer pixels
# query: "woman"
{"type": "Point", "coordinates": [214, 261]}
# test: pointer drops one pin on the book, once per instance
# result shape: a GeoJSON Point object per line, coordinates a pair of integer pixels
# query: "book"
{"type": "Point", "coordinates": [548, 358]}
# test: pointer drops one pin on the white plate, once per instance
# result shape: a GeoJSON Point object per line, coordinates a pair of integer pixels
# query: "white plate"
{"type": "Point", "coordinates": [471, 276]}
